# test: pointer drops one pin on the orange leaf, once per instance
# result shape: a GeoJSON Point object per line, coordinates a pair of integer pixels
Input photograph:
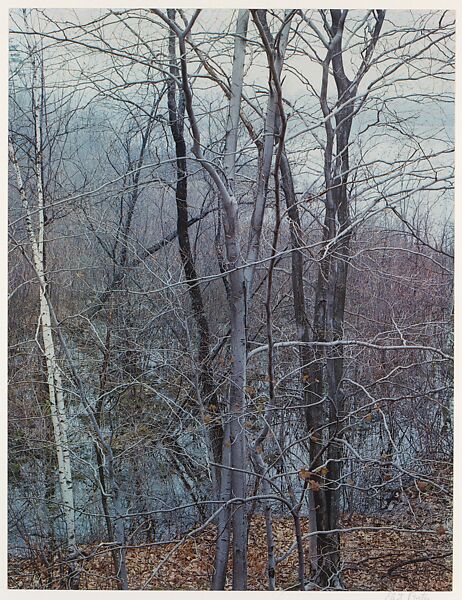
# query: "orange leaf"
{"type": "Point", "coordinates": [440, 530]}
{"type": "Point", "coordinates": [314, 485]}
{"type": "Point", "coordinates": [304, 473]}
{"type": "Point", "coordinates": [422, 485]}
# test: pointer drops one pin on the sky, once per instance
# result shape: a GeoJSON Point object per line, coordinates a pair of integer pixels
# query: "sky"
{"type": "Point", "coordinates": [426, 115]}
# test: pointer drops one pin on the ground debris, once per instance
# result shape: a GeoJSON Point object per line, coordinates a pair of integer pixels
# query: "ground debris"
{"type": "Point", "coordinates": [385, 559]}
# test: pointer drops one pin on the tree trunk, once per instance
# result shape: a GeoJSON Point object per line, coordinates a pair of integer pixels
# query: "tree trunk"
{"type": "Point", "coordinates": [55, 386]}
{"type": "Point", "coordinates": [205, 377]}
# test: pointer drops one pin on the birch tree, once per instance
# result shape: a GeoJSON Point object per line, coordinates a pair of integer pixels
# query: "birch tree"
{"type": "Point", "coordinates": [37, 245]}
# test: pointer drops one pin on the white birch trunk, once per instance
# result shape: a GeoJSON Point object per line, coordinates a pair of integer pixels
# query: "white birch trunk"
{"type": "Point", "coordinates": [54, 381]}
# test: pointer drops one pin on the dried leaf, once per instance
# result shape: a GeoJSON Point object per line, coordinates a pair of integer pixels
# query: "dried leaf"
{"type": "Point", "coordinates": [314, 485]}
{"type": "Point", "coordinates": [422, 485]}
{"type": "Point", "coordinates": [440, 530]}
{"type": "Point", "coordinates": [305, 474]}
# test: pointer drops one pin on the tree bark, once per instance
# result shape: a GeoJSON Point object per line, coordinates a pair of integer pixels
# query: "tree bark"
{"type": "Point", "coordinates": [54, 381]}
{"type": "Point", "coordinates": [326, 394]}
{"type": "Point", "coordinates": [207, 388]}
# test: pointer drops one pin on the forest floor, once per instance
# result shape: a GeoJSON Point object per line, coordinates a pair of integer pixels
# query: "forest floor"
{"type": "Point", "coordinates": [378, 556]}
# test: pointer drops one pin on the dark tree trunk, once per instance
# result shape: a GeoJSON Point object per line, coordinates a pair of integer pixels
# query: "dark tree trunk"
{"type": "Point", "coordinates": [208, 398]}
{"type": "Point", "coordinates": [326, 396]}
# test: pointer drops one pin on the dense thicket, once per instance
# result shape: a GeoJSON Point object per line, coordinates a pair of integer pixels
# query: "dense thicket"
{"type": "Point", "coordinates": [230, 292]}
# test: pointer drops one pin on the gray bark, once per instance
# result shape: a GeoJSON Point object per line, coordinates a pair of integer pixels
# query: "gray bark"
{"type": "Point", "coordinates": [328, 323]}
